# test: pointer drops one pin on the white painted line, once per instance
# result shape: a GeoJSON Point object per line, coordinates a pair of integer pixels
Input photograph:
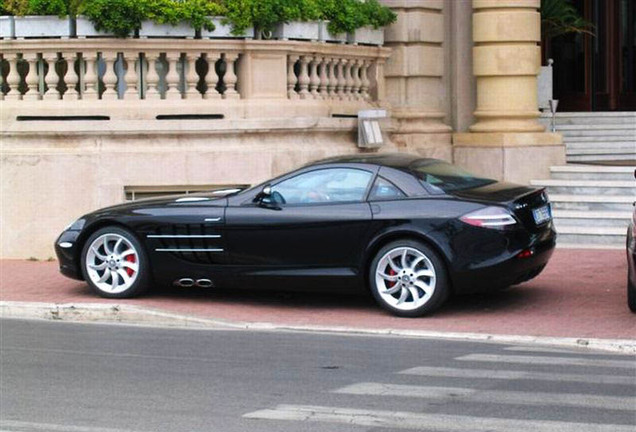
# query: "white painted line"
{"type": "Point", "coordinates": [438, 422]}
{"type": "Point", "coordinates": [538, 360]}
{"type": "Point", "coordinates": [629, 380]}
{"type": "Point", "coordinates": [462, 394]}
{"type": "Point", "coordinates": [20, 426]}
{"type": "Point", "coordinates": [557, 350]}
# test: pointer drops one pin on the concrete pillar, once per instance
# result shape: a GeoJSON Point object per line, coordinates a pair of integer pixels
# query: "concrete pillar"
{"type": "Point", "coordinates": [506, 140]}
{"type": "Point", "coordinates": [415, 84]}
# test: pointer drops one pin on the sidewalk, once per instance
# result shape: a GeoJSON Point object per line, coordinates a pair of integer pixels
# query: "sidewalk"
{"type": "Point", "coordinates": [581, 294]}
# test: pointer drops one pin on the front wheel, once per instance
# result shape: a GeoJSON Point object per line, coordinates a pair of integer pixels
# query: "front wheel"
{"type": "Point", "coordinates": [114, 263]}
{"type": "Point", "coordinates": [408, 279]}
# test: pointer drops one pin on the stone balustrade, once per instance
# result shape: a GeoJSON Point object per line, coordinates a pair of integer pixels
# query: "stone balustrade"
{"type": "Point", "coordinates": [167, 69]}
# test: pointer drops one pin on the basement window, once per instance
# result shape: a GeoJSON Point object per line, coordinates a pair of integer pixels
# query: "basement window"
{"type": "Point", "coordinates": [134, 193]}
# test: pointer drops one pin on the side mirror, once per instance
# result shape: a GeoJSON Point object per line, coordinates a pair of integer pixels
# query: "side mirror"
{"type": "Point", "coordinates": [264, 198]}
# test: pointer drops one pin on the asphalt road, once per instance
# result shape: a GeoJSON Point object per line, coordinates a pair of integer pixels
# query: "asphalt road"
{"type": "Point", "coordinates": [114, 378]}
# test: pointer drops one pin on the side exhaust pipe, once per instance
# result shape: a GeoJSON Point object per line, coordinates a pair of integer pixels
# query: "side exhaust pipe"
{"type": "Point", "coordinates": [188, 282]}
{"type": "Point", "coordinates": [185, 282]}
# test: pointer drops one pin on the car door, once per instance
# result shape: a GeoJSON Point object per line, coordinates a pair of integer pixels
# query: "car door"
{"type": "Point", "coordinates": [312, 225]}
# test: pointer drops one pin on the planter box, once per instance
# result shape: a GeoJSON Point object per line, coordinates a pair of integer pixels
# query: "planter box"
{"type": "Point", "coordinates": [224, 31]}
{"type": "Point", "coordinates": [84, 28]}
{"type": "Point", "coordinates": [35, 26]}
{"type": "Point", "coordinates": [297, 30]}
{"type": "Point", "coordinates": [7, 29]}
{"type": "Point", "coordinates": [327, 36]}
{"type": "Point", "coordinates": [151, 29]}
{"type": "Point", "coordinates": [366, 36]}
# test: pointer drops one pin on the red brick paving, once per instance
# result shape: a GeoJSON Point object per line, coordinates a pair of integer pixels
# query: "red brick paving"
{"type": "Point", "coordinates": [581, 293]}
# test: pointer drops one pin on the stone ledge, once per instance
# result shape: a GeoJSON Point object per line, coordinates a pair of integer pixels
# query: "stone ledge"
{"type": "Point", "coordinates": [507, 139]}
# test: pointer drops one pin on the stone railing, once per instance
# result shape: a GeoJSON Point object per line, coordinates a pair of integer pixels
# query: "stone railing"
{"type": "Point", "coordinates": [168, 69]}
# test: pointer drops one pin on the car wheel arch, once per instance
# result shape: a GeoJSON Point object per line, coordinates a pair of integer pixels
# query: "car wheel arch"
{"type": "Point", "coordinates": [379, 242]}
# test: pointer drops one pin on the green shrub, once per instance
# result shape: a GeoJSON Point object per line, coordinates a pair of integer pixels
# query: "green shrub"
{"type": "Point", "coordinates": [15, 7]}
{"type": "Point", "coordinates": [120, 17]}
{"type": "Point", "coordinates": [48, 7]}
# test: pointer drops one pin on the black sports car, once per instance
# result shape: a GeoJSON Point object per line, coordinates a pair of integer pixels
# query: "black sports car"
{"type": "Point", "coordinates": [410, 230]}
{"type": "Point", "coordinates": [631, 261]}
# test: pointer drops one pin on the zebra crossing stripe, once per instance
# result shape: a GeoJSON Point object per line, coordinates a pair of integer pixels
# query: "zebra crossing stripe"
{"type": "Point", "coordinates": [430, 371]}
{"type": "Point", "coordinates": [492, 396]}
{"type": "Point", "coordinates": [540, 360]}
{"type": "Point", "coordinates": [564, 351]}
{"type": "Point", "coordinates": [424, 421]}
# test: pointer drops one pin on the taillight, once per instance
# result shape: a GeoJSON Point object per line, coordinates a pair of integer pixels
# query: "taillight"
{"type": "Point", "coordinates": [489, 217]}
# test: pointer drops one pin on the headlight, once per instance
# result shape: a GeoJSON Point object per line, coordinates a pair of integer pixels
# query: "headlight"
{"type": "Point", "coordinates": [76, 225]}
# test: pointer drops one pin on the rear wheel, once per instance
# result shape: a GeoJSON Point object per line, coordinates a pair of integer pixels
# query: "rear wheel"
{"type": "Point", "coordinates": [408, 279]}
{"type": "Point", "coordinates": [114, 263]}
{"type": "Point", "coordinates": [631, 297]}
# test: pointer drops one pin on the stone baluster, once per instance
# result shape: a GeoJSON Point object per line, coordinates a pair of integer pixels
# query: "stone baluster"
{"type": "Point", "coordinates": [152, 77]}
{"type": "Point", "coordinates": [172, 77]}
{"type": "Point", "coordinates": [303, 78]}
{"type": "Point", "coordinates": [314, 79]}
{"type": "Point", "coordinates": [342, 81]}
{"type": "Point", "coordinates": [230, 77]}
{"type": "Point", "coordinates": [90, 86]}
{"type": "Point", "coordinates": [130, 76]}
{"type": "Point", "coordinates": [349, 79]}
{"type": "Point", "coordinates": [366, 83]}
{"type": "Point", "coordinates": [292, 79]}
{"type": "Point", "coordinates": [13, 78]}
{"type": "Point", "coordinates": [110, 77]}
{"type": "Point", "coordinates": [212, 78]}
{"type": "Point", "coordinates": [357, 81]}
{"type": "Point", "coordinates": [191, 76]}
{"type": "Point", "coordinates": [51, 78]}
{"type": "Point", "coordinates": [332, 78]}
{"type": "Point", "coordinates": [324, 79]}
{"type": "Point", "coordinates": [31, 78]}
{"type": "Point", "coordinates": [71, 78]}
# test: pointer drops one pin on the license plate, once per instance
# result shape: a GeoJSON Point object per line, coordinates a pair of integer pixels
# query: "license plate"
{"type": "Point", "coordinates": [542, 214]}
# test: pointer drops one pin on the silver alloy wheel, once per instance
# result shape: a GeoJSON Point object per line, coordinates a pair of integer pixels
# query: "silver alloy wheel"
{"type": "Point", "coordinates": [405, 278]}
{"type": "Point", "coordinates": [112, 263]}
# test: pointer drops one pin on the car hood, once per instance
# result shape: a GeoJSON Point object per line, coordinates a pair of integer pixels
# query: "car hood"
{"type": "Point", "coordinates": [495, 193]}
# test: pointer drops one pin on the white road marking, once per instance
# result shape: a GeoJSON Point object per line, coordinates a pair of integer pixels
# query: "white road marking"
{"type": "Point", "coordinates": [562, 351]}
{"type": "Point", "coordinates": [519, 375]}
{"type": "Point", "coordinates": [20, 426]}
{"type": "Point", "coordinates": [437, 422]}
{"type": "Point", "coordinates": [493, 396]}
{"type": "Point", "coordinates": [539, 360]}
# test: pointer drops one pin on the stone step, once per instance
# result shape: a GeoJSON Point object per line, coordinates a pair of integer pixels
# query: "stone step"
{"type": "Point", "coordinates": [591, 218]}
{"type": "Point", "coordinates": [600, 236]}
{"type": "Point", "coordinates": [602, 157]}
{"type": "Point", "coordinates": [627, 146]}
{"type": "Point", "coordinates": [628, 127]}
{"type": "Point", "coordinates": [630, 134]}
{"type": "Point", "coordinates": [588, 187]}
{"type": "Point", "coordinates": [614, 117]}
{"type": "Point", "coordinates": [592, 202]}
{"type": "Point", "coordinates": [596, 139]}
{"type": "Point", "coordinates": [592, 172]}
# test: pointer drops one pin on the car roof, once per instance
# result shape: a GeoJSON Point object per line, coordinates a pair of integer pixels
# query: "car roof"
{"type": "Point", "coordinates": [392, 160]}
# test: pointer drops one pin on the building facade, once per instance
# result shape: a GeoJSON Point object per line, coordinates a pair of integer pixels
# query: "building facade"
{"type": "Point", "coordinates": [91, 122]}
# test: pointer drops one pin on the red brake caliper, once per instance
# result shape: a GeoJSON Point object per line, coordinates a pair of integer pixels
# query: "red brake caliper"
{"type": "Point", "coordinates": [130, 258]}
{"type": "Point", "coordinates": [391, 273]}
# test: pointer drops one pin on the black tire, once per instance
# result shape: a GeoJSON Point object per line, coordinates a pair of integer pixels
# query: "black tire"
{"type": "Point", "coordinates": [140, 278]}
{"type": "Point", "coordinates": [440, 288]}
{"type": "Point", "coordinates": [631, 297]}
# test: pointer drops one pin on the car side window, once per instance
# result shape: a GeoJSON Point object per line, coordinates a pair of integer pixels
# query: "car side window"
{"type": "Point", "coordinates": [323, 186]}
{"type": "Point", "coordinates": [383, 189]}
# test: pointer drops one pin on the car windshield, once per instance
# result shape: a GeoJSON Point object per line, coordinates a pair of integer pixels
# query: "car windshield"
{"type": "Point", "coordinates": [446, 177]}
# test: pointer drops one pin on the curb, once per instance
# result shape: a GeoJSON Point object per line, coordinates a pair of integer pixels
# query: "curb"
{"type": "Point", "coordinates": [127, 314]}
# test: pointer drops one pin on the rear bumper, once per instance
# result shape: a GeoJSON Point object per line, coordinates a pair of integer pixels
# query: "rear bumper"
{"type": "Point", "coordinates": [508, 268]}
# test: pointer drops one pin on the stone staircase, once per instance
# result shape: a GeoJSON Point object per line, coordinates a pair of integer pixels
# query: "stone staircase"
{"type": "Point", "coordinates": [591, 204]}
{"type": "Point", "coordinates": [597, 136]}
